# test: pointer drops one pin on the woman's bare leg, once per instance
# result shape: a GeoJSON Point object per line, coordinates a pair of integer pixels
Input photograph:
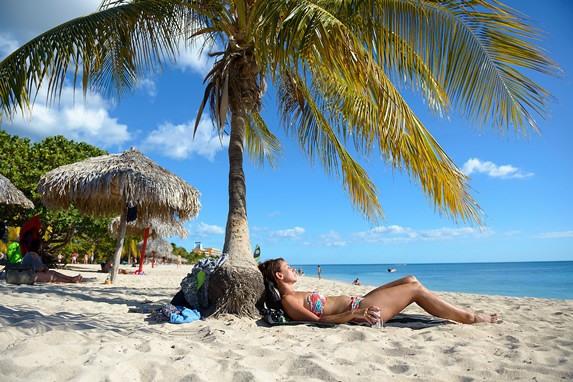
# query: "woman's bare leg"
{"type": "Point", "coordinates": [56, 277]}
{"type": "Point", "coordinates": [392, 300]}
{"type": "Point", "coordinates": [401, 281]}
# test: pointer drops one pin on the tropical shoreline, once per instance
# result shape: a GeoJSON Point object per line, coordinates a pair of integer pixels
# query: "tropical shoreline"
{"type": "Point", "coordinates": [86, 330]}
{"type": "Point", "coordinates": [541, 279]}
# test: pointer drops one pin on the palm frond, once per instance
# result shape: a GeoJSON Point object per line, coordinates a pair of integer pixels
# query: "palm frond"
{"type": "Point", "coordinates": [320, 141]}
{"type": "Point", "coordinates": [109, 49]}
{"type": "Point", "coordinates": [475, 50]}
{"type": "Point", "coordinates": [261, 143]}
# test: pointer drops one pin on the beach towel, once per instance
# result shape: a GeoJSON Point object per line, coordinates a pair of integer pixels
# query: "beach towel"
{"type": "Point", "coordinates": [411, 321]}
{"type": "Point", "coordinates": [175, 314]}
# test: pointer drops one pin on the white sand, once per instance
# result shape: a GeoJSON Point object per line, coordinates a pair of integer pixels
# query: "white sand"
{"type": "Point", "coordinates": [61, 332]}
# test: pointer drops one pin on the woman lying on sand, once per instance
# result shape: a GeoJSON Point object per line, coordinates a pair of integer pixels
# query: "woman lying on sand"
{"type": "Point", "coordinates": [382, 303]}
{"type": "Point", "coordinates": [42, 273]}
{"type": "Point", "coordinates": [45, 275]}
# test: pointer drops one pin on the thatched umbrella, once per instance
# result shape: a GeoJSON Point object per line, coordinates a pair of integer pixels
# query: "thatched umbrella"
{"type": "Point", "coordinates": [159, 246]}
{"type": "Point", "coordinates": [157, 228]}
{"type": "Point", "coordinates": [154, 228]}
{"type": "Point", "coordinates": [9, 194]}
{"type": "Point", "coordinates": [108, 184]}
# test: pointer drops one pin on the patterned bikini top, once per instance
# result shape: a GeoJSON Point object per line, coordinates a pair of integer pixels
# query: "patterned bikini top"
{"type": "Point", "coordinates": [316, 302]}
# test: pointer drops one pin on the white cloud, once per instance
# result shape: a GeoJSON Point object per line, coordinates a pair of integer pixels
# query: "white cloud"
{"type": "Point", "coordinates": [291, 233]}
{"type": "Point", "coordinates": [148, 86]}
{"type": "Point", "coordinates": [7, 45]}
{"type": "Point", "coordinates": [73, 118]}
{"type": "Point", "coordinates": [397, 234]}
{"type": "Point", "coordinates": [24, 20]}
{"type": "Point", "coordinates": [330, 239]}
{"type": "Point", "coordinates": [177, 141]}
{"type": "Point", "coordinates": [191, 58]}
{"type": "Point", "coordinates": [203, 230]}
{"type": "Point", "coordinates": [556, 235]}
{"type": "Point", "coordinates": [493, 170]}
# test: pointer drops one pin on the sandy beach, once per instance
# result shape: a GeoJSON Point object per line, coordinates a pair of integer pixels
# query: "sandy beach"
{"type": "Point", "coordinates": [85, 332]}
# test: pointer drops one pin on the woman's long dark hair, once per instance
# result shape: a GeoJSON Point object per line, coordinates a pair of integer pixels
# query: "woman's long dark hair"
{"type": "Point", "coordinates": [272, 297]}
{"type": "Point", "coordinates": [269, 268]}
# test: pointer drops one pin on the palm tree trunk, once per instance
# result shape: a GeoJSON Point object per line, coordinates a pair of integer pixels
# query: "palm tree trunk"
{"type": "Point", "coordinates": [237, 286]}
{"type": "Point", "coordinates": [237, 240]}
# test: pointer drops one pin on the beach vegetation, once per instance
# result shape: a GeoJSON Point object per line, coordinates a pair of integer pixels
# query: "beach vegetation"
{"type": "Point", "coordinates": [65, 231]}
{"type": "Point", "coordinates": [339, 71]}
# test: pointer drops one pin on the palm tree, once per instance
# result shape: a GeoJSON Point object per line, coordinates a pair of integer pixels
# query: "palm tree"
{"type": "Point", "coordinates": [339, 67]}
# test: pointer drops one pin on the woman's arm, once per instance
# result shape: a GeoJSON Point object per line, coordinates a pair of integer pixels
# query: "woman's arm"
{"type": "Point", "coordinates": [295, 309]}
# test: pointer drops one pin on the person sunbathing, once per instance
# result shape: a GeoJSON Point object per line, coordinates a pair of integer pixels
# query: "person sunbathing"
{"type": "Point", "coordinates": [45, 275]}
{"type": "Point", "coordinates": [382, 303]}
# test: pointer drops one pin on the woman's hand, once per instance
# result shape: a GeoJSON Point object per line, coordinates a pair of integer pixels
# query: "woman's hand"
{"type": "Point", "coordinates": [370, 314]}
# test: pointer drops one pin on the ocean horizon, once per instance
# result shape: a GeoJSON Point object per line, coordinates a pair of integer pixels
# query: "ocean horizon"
{"type": "Point", "coordinates": [540, 279]}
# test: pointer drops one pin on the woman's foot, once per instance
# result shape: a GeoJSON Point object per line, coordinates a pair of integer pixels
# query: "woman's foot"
{"type": "Point", "coordinates": [486, 318]}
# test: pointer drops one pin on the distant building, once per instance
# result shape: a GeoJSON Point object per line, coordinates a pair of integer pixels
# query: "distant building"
{"type": "Point", "coordinates": [209, 252]}
{"type": "Point", "coordinates": [212, 252]}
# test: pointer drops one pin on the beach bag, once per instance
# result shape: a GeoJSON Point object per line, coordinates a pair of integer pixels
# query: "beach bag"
{"type": "Point", "coordinates": [20, 274]}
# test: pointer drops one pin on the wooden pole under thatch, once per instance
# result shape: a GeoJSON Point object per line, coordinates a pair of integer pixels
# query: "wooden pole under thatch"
{"type": "Point", "coordinates": [153, 227]}
{"type": "Point", "coordinates": [119, 246]}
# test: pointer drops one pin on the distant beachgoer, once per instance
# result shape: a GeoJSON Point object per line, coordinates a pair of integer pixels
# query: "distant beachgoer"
{"type": "Point", "coordinates": [45, 275]}
{"type": "Point", "coordinates": [85, 258]}
{"type": "Point", "coordinates": [74, 258]}
{"type": "Point", "coordinates": [178, 261]}
{"type": "Point", "coordinates": [106, 266]}
{"type": "Point", "coordinates": [356, 282]}
{"type": "Point", "coordinates": [382, 303]}
{"type": "Point", "coordinates": [42, 273]}
{"type": "Point", "coordinates": [92, 259]}
{"type": "Point", "coordinates": [319, 272]}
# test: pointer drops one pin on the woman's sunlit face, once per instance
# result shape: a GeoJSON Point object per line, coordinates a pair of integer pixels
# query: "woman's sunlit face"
{"type": "Point", "coordinates": [288, 271]}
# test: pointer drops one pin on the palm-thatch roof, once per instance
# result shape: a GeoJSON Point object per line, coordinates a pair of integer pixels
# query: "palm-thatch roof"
{"type": "Point", "coordinates": [156, 227]}
{"type": "Point", "coordinates": [9, 194]}
{"type": "Point", "coordinates": [160, 246]}
{"type": "Point", "coordinates": [102, 186]}
{"type": "Point", "coordinates": [107, 185]}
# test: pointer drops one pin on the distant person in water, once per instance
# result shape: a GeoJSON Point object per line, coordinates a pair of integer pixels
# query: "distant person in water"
{"type": "Point", "coordinates": [319, 271]}
{"type": "Point", "coordinates": [382, 303]}
{"type": "Point", "coordinates": [356, 282]}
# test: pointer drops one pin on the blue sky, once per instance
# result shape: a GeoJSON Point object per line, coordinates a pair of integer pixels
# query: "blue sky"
{"type": "Point", "coordinates": [296, 211]}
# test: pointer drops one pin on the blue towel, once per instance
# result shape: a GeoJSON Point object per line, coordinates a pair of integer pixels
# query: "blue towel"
{"type": "Point", "coordinates": [185, 315]}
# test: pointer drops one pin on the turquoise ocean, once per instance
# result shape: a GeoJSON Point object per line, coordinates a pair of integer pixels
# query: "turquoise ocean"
{"type": "Point", "coordinates": [550, 279]}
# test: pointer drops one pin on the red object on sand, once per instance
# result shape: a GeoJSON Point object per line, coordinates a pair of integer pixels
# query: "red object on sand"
{"type": "Point", "coordinates": [29, 231]}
